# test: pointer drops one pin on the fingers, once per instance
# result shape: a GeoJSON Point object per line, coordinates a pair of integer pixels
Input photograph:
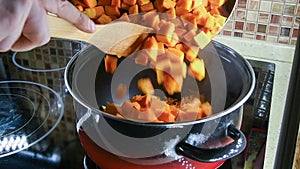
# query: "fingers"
{"type": "Point", "coordinates": [35, 32]}
{"type": "Point", "coordinates": [64, 9]}
{"type": "Point", "coordinates": [12, 20]}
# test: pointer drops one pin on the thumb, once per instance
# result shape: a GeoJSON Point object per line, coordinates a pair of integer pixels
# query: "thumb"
{"type": "Point", "coordinates": [67, 11]}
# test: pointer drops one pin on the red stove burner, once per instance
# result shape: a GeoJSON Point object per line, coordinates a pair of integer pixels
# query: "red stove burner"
{"type": "Point", "coordinates": [106, 160]}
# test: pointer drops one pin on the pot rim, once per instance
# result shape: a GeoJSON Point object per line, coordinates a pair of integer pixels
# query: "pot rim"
{"type": "Point", "coordinates": [228, 110]}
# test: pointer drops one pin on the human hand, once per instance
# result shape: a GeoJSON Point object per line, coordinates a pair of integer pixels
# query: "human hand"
{"type": "Point", "coordinates": [24, 24]}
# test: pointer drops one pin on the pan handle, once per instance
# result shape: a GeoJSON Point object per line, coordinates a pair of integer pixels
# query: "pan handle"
{"type": "Point", "coordinates": [215, 154]}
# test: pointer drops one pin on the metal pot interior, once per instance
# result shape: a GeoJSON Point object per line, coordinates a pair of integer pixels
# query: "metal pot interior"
{"type": "Point", "coordinates": [228, 84]}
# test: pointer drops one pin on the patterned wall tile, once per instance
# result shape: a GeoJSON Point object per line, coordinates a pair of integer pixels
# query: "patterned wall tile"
{"type": "Point", "coordinates": [269, 20]}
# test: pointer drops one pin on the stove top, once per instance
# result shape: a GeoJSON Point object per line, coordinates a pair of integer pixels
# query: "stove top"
{"type": "Point", "coordinates": [61, 148]}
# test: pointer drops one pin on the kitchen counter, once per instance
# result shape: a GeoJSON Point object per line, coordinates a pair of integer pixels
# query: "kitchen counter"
{"type": "Point", "coordinates": [282, 56]}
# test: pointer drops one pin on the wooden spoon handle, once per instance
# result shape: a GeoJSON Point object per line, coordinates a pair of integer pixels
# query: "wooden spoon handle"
{"type": "Point", "coordinates": [116, 38]}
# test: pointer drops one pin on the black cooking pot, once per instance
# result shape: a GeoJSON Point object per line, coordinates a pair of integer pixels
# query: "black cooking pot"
{"type": "Point", "coordinates": [228, 84]}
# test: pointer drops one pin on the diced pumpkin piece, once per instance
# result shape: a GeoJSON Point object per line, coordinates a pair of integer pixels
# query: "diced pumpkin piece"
{"type": "Point", "coordinates": [133, 9]}
{"type": "Point", "coordinates": [192, 53]}
{"type": "Point", "coordinates": [171, 85]}
{"type": "Point", "coordinates": [171, 13]}
{"type": "Point", "coordinates": [99, 10]}
{"type": "Point", "coordinates": [130, 2]}
{"type": "Point", "coordinates": [103, 19]}
{"type": "Point", "coordinates": [104, 2]}
{"type": "Point", "coordinates": [189, 111]}
{"type": "Point", "coordinates": [90, 3]}
{"type": "Point", "coordinates": [160, 48]}
{"type": "Point", "coordinates": [145, 85]}
{"type": "Point", "coordinates": [112, 11]}
{"type": "Point", "coordinates": [157, 106]}
{"type": "Point", "coordinates": [205, 110]}
{"type": "Point", "coordinates": [168, 4]}
{"type": "Point", "coordinates": [215, 11]}
{"type": "Point", "coordinates": [180, 11]}
{"type": "Point", "coordinates": [112, 109]}
{"type": "Point", "coordinates": [217, 2]}
{"type": "Point", "coordinates": [206, 107]}
{"type": "Point", "coordinates": [159, 76]}
{"type": "Point", "coordinates": [189, 36]}
{"type": "Point", "coordinates": [167, 117]}
{"type": "Point", "coordinates": [146, 7]}
{"type": "Point", "coordinates": [197, 69]}
{"type": "Point", "coordinates": [165, 33]}
{"type": "Point", "coordinates": [174, 110]}
{"type": "Point", "coordinates": [197, 3]}
{"type": "Point", "coordinates": [174, 40]}
{"type": "Point", "coordinates": [185, 4]}
{"type": "Point", "coordinates": [151, 19]}
{"type": "Point", "coordinates": [202, 39]}
{"type": "Point", "coordinates": [128, 110]}
{"type": "Point", "coordinates": [210, 22]}
{"type": "Point", "coordinates": [158, 6]}
{"type": "Point", "coordinates": [143, 2]}
{"type": "Point", "coordinates": [220, 19]}
{"type": "Point", "coordinates": [119, 115]}
{"type": "Point", "coordinates": [116, 3]}
{"type": "Point", "coordinates": [136, 105]}
{"type": "Point", "coordinates": [151, 46]}
{"type": "Point", "coordinates": [144, 101]}
{"type": "Point", "coordinates": [125, 6]}
{"type": "Point", "coordinates": [91, 13]}
{"type": "Point", "coordinates": [142, 58]}
{"type": "Point", "coordinates": [163, 63]}
{"type": "Point", "coordinates": [175, 54]}
{"type": "Point", "coordinates": [178, 70]}
{"type": "Point", "coordinates": [166, 28]}
{"type": "Point", "coordinates": [110, 63]}
{"type": "Point", "coordinates": [180, 32]}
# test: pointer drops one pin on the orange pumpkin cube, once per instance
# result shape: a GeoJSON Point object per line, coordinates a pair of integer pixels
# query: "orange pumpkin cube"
{"type": "Point", "coordinates": [130, 2]}
{"type": "Point", "coordinates": [116, 3]}
{"type": "Point", "coordinates": [112, 11]}
{"type": "Point", "coordinates": [185, 4]}
{"type": "Point", "coordinates": [90, 3]}
{"type": "Point", "coordinates": [175, 54]}
{"type": "Point", "coordinates": [202, 39]}
{"type": "Point", "coordinates": [146, 7]}
{"type": "Point", "coordinates": [104, 2]}
{"type": "Point", "coordinates": [145, 85]}
{"type": "Point", "coordinates": [143, 2]}
{"type": "Point", "coordinates": [151, 46]}
{"type": "Point", "coordinates": [133, 9]}
{"type": "Point", "coordinates": [197, 69]}
{"type": "Point", "coordinates": [142, 58]}
{"type": "Point", "coordinates": [110, 63]}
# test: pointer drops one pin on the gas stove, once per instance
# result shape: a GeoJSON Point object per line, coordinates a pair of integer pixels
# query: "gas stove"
{"type": "Point", "coordinates": [60, 148]}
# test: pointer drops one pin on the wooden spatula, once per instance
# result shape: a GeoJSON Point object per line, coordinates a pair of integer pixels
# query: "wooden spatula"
{"type": "Point", "coordinates": [117, 38]}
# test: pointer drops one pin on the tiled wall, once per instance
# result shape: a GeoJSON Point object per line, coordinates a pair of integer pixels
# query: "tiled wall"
{"type": "Point", "coordinates": [269, 20]}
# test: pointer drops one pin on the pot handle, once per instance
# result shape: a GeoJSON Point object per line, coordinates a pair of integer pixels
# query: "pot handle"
{"type": "Point", "coordinates": [215, 154]}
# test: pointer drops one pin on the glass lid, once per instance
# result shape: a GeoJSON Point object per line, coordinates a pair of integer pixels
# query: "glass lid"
{"type": "Point", "coordinates": [28, 113]}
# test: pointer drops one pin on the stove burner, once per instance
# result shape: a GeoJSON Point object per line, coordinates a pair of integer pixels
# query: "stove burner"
{"type": "Point", "coordinates": [53, 56]}
{"type": "Point", "coordinates": [28, 112]}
